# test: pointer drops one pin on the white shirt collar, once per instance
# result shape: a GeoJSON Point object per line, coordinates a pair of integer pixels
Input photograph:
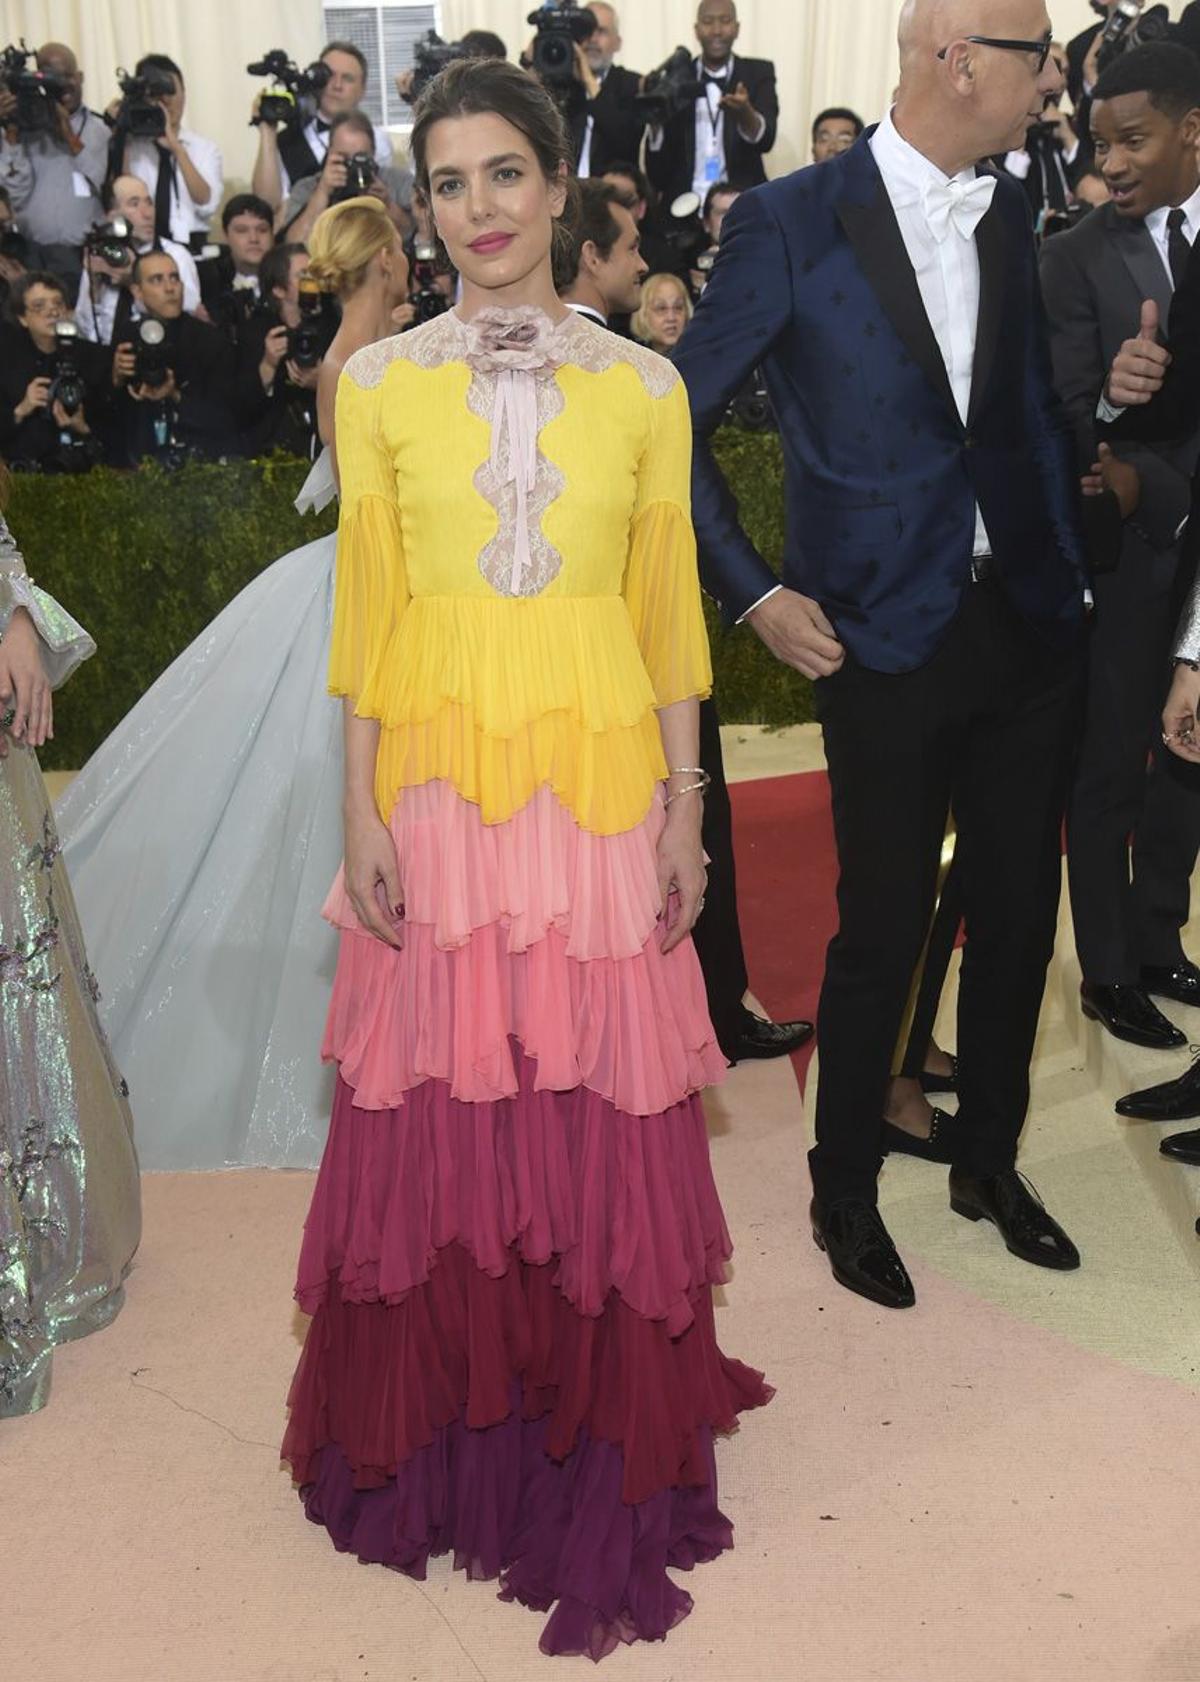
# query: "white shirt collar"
{"type": "Point", "coordinates": [906, 171]}
{"type": "Point", "coordinates": [1156, 221]}
{"type": "Point", "coordinates": [723, 74]}
{"type": "Point", "coordinates": [588, 311]}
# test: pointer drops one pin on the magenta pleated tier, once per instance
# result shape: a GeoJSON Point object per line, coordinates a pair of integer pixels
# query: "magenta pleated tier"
{"type": "Point", "coordinates": [616, 1202]}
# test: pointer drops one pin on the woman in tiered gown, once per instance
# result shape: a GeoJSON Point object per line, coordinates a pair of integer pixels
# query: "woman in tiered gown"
{"type": "Point", "coordinates": [515, 1233]}
{"type": "Point", "coordinates": [70, 1203]}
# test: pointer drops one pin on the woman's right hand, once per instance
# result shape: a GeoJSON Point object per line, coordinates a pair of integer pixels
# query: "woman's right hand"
{"type": "Point", "coordinates": [1179, 715]}
{"type": "Point", "coordinates": [373, 877]}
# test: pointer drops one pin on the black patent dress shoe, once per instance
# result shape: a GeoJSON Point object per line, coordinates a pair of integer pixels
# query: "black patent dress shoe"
{"type": "Point", "coordinates": [1172, 1100]}
{"type": "Point", "coordinates": [1128, 1014]}
{"type": "Point", "coordinates": [1180, 981]}
{"type": "Point", "coordinates": [940, 1083]}
{"type": "Point", "coordinates": [1009, 1203]}
{"type": "Point", "coordinates": [759, 1038]}
{"type": "Point", "coordinates": [861, 1254]}
{"type": "Point", "coordinates": [944, 1135]}
{"type": "Point", "coordinates": [1182, 1147]}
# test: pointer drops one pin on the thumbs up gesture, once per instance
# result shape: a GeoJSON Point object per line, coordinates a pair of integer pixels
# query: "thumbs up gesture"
{"type": "Point", "coordinates": [1140, 365]}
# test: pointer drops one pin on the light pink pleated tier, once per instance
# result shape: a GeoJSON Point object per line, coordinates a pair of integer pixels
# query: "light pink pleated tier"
{"type": "Point", "coordinates": [533, 931]}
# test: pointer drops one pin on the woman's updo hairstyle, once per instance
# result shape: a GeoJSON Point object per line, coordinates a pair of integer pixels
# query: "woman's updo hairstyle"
{"type": "Point", "coordinates": [481, 87]}
{"type": "Point", "coordinates": [344, 240]}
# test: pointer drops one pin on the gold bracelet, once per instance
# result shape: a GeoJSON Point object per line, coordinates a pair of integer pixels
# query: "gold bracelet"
{"type": "Point", "coordinates": [690, 771]}
{"type": "Point", "coordinates": [692, 788]}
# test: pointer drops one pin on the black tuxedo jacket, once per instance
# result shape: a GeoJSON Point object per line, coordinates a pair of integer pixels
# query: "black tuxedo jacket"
{"type": "Point", "coordinates": [1094, 278]}
{"type": "Point", "coordinates": [618, 126]}
{"type": "Point", "coordinates": [1175, 412]}
{"type": "Point", "coordinates": [672, 168]}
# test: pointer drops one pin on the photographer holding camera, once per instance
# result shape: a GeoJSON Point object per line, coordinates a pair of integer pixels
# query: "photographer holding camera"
{"type": "Point", "coordinates": [610, 125]}
{"type": "Point", "coordinates": [53, 160]}
{"type": "Point", "coordinates": [174, 375]}
{"type": "Point", "coordinates": [726, 129]}
{"type": "Point", "coordinates": [279, 352]}
{"type": "Point", "coordinates": [294, 151]}
{"type": "Point", "coordinates": [349, 170]}
{"type": "Point", "coordinates": [229, 282]}
{"type": "Point", "coordinates": [106, 303]}
{"type": "Point", "coordinates": [54, 387]}
{"type": "Point", "coordinates": [182, 168]}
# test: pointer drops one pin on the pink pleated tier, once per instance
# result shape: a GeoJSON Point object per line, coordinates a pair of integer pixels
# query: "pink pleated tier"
{"type": "Point", "coordinates": [532, 930]}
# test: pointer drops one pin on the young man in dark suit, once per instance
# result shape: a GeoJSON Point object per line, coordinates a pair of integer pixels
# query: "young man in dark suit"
{"type": "Point", "coordinates": [934, 585]}
{"type": "Point", "coordinates": [1133, 823]}
{"type": "Point", "coordinates": [728, 131]}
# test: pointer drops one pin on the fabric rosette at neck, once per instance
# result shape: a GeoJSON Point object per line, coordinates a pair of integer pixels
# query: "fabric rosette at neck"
{"type": "Point", "coordinates": [519, 347]}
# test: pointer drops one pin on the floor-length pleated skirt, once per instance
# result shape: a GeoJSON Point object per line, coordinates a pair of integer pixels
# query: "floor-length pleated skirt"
{"type": "Point", "coordinates": [515, 1233]}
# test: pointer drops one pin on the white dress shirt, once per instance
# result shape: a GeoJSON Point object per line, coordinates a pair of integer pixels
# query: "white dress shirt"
{"type": "Point", "coordinates": [947, 271]}
{"type": "Point", "coordinates": [1156, 227]}
{"type": "Point", "coordinates": [187, 217]}
{"type": "Point", "coordinates": [710, 127]}
{"type": "Point", "coordinates": [318, 143]}
{"type": "Point", "coordinates": [585, 151]}
{"type": "Point", "coordinates": [96, 312]}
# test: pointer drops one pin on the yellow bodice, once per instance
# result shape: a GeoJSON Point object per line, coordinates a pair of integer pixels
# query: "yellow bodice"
{"type": "Point", "coordinates": [499, 676]}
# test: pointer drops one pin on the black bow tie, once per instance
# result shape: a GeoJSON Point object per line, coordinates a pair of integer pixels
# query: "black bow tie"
{"type": "Point", "coordinates": [321, 126]}
{"type": "Point", "coordinates": [715, 81]}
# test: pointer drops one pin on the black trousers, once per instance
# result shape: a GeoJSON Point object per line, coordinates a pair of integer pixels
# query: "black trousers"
{"type": "Point", "coordinates": [986, 725]}
{"type": "Point", "coordinates": [1133, 819]}
{"type": "Point", "coordinates": [717, 934]}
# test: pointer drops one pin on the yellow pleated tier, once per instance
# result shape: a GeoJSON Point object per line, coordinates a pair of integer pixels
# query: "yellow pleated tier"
{"type": "Point", "coordinates": [499, 696]}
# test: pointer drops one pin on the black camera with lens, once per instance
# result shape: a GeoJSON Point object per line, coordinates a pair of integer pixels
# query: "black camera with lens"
{"type": "Point", "coordinates": [425, 294]}
{"type": "Point", "coordinates": [66, 380]}
{"type": "Point", "coordinates": [361, 175]}
{"type": "Point", "coordinates": [752, 410]}
{"type": "Point", "coordinates": [1129, 24]}
{"type": "Point", "coordinates": [431, 55]}
{"type": "Point", "coordinates": [140, 115]}
{"type": "Point", "coordinates": [313, 334]}
{"type": "Point", "coordinates": [36, 91]}
{"type": "Point", "coordinates": [670, 89]}
{"type": "Point", "coordinates": [112, 242]}
{"type": "Point", "coordinates": [150, 354]}
{"type": "Point", "coordinates": [291, 88]}
{"type": "Point", "coordinates": [561, 27]}
{"type": "Point", "coordinates": [13, 243]}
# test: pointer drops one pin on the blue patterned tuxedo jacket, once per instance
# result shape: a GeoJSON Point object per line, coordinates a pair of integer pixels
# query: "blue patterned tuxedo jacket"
{"type": "Point", "coordinates": [814, 284]}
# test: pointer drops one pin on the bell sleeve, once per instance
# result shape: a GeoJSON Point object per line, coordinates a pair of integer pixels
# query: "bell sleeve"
{"type": "Point", "coordinates": [662, 581]}
{"type": "Point", "coordinates": [371, 590]}
{"type": "Point", "coordinates": [65, 644]}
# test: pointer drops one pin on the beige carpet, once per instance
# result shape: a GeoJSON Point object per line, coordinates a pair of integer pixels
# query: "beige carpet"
{"type": "Point", "coordinates": [998, 1486]}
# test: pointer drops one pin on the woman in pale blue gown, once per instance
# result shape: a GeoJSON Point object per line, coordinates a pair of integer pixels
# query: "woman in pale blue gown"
{"type": "Point", "coordinates": [203, 835]}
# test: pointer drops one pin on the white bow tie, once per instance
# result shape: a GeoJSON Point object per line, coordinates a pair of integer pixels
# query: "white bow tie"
{"type": "Point", "coordinates": [958, 204]}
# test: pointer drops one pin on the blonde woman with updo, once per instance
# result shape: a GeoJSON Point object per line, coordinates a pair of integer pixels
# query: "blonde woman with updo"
{"type": "Point", "coordinates": [203, 834]}
{"type": "Point", "coordinates": [663, 313]}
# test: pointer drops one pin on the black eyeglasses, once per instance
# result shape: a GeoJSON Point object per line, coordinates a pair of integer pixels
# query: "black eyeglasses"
{"type": "Point", "coordinates": [1041, 48]}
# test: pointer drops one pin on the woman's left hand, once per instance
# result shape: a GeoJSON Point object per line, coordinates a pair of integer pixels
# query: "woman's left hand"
{"type": "Point", "coordinates": [681, 868]}
{"type": "Point", "coordinates": [24, 687]}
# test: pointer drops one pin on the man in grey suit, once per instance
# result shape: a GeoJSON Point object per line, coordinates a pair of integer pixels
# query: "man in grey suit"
{"type": "Point", "coordinates": [1145, 123]}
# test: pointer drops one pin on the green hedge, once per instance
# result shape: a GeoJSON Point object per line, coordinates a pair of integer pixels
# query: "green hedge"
{"type": "Point", "coordinates": [146, 560]}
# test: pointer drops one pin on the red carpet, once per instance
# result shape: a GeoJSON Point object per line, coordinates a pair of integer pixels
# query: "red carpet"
{"type": "Point", "coordinates": [787, 877]}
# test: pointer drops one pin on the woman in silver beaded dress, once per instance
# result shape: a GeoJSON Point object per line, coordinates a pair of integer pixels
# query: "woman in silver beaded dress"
{"type": "Point", "coordinates": [70, 1210]}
